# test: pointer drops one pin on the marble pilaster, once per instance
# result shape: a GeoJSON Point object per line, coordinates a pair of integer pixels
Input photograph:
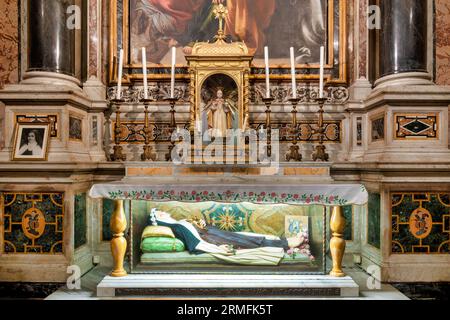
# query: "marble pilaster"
{"type": "Point", "coordinates": [442, 42]}
{"type": "Point", "coordinates": [9, 39]}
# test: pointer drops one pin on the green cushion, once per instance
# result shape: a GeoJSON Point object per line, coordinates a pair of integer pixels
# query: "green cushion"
{"type": "Point", "coordinates": [162, 244]}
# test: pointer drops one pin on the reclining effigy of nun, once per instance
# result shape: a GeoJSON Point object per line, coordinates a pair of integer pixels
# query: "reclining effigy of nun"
{"type": "Point", "coordinates": [167, 240]}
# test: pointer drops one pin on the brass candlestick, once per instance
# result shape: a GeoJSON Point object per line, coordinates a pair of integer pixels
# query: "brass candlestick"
{"type": "Point", "coordinates": [320, 153]}
{"type": "Point", "coordinates": [268, 102]}
{"type": "Point", "coordinates": [147, 155]}
{"type": "Point", "coordinates": [118, 154]}
{"type": "Point", "coordinates": [294, 153]}
{"type": "Point", "coordinates": [173, 125]}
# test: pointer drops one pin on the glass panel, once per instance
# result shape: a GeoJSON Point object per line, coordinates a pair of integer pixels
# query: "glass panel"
{"type": "Point", "coordinates": [293, 234]}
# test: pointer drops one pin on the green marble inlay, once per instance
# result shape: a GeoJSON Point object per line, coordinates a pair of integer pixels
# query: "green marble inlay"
{"type": "Point", "coordinates": [348, 214]}
{"type": "Point", "coordinates": [108, 209]}
{"type": "Point", "coordinates": [80, 220]}
{"type": "Point", "coordinates": [374, 220]}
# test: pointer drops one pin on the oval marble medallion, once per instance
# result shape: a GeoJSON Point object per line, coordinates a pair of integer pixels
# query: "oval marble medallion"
{"type": "Point", "coordinates": [420, 223]}
{"type": "Point", "coordinates": [33, 223]}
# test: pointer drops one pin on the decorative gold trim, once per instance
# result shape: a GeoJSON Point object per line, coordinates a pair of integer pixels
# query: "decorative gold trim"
{"type": "Point", "coordinates": [343, 50]}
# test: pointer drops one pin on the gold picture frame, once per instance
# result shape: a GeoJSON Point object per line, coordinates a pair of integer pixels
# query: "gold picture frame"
{"type": "Point", "coordinates": [31, 141]}
{"type": "Point", "coordinates": [121, 34]}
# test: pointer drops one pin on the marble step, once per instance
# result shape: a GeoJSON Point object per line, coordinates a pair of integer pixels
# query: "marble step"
{"type": "Point", "coordinates": [227, 285]}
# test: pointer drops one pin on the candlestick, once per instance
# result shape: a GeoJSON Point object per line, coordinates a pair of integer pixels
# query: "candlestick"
{"type": "Point", "coordinates": [266, 60]}
{"type": "Point", "coordinates": [320, 153]}
{"type": "Point", "coordinates": [118, 154]}
{"type": "Point", "coordinates": [148, 150]}
{"type": "Point", "coordinates": [173, 126]}
{"type": "Point", "coordinates": [144, 69]}
{"type": "Point", "coordinates": [268, 102]}
{"type": "Point", "coordinates": [294, 75]}
{"type": "Point", "coordinates": [119, 80]}
{"type": "Point", "coordinates": [172, 82]}
{"type": "Point", "coordinates": [294, 153]}
{"type": "Point", "coordinates": [322, 65]}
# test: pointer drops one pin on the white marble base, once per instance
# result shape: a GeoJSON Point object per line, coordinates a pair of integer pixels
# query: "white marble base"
{"type": "Point", "coordinates": [108, 286]}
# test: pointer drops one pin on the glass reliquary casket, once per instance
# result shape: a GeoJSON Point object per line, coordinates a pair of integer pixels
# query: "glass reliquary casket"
{"type": "Point", "coordinates": [255, 237]}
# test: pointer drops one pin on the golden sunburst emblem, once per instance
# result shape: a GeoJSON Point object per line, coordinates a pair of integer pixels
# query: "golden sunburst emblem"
{"type": "Point", "coordinates": [227, 221]}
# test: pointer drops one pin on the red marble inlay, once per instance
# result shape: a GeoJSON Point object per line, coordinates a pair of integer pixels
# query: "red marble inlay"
{"type": "Point", "coordinates": [363, 38]}
{"type": "Point", "coordinates": [93, 38]}
{"type": "Point", "coordinates": [443, 42]}
{"type": "Point", "coordinates": [9, 42]}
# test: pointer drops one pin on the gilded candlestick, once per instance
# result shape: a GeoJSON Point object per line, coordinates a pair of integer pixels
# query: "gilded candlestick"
{"type": "Point", "coordinates": [173, 125]}
{"type": "Point", "coordinates": [118, 154]}
{"type": "Point", "coordinates": [320, 153]}
{"type": "Point", "coordinates": [147, 154]}
{"type": "Point", "coordinates": [294, 153]}
{"type": "Point", "coordinates": [268, 102]}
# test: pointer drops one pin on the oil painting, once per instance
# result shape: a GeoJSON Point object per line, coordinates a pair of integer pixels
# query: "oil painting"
{"type": "Point", "coordinates": [159, 25]}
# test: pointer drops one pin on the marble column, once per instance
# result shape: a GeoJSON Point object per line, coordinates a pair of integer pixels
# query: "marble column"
{"type": "Point", "coordinates": [51, 43]}
{"type": "Point", "coordinates": [403, 39]}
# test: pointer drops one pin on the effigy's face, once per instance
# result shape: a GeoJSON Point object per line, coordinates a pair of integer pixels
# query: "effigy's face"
{"type": "Point", "coordinates": [162, 215]}
{"type": "Point", "coordinates": [220, 94]}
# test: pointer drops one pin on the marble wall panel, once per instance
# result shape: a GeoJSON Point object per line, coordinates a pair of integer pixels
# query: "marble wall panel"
{"type": "Point", "coordinates": [348, 214]}
{"type": "Point", "coordinates": [80, 220]}
{"type": "Point", "coordinates": [363, 38]}
{"type": "Point", "coordinates": [108, 209]}
{"type": "Point", "coordinates": [374, 221]}
{"type": "Point", "coordinates": [94, 44]}
{"type": "Point", "coordinates": [9, 42]}
{"type": "Point", "coordinates": [442, 42]}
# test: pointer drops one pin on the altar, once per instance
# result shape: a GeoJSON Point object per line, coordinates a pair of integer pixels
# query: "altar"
{"type": "Point", "coordinates": [246, 201]}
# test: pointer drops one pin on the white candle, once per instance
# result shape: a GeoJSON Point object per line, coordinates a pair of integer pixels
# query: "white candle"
{"type": "Point", "coordinates": [293, 74]}
{"type": "Point", "coordinates": [322, 66]}
{"type": "Point", "coordinates": [172, 82]}
{"type": "Point", "coordinates": [119, 81]}
{"type": "Point", "coordinates": [144, 71]}
{"type": "Point", "coordinates": [266, 60]}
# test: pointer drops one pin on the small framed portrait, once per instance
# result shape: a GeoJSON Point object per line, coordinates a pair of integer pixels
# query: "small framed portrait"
{"type": "Point", "coordinates": [31, 141]}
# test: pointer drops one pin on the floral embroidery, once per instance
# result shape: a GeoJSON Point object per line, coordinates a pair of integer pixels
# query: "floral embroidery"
{"type": "Point", "coordinates": [228, 196]}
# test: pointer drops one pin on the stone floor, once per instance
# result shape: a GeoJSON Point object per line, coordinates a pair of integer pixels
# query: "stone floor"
{"type": "Point", "coordinates": [90, 280]}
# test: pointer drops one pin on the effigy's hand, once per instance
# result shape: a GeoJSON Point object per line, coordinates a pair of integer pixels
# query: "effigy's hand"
{"type": "Point", "coordinates": [228, 249]}
{"type": "Point", "coordinates": [218, 1]}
